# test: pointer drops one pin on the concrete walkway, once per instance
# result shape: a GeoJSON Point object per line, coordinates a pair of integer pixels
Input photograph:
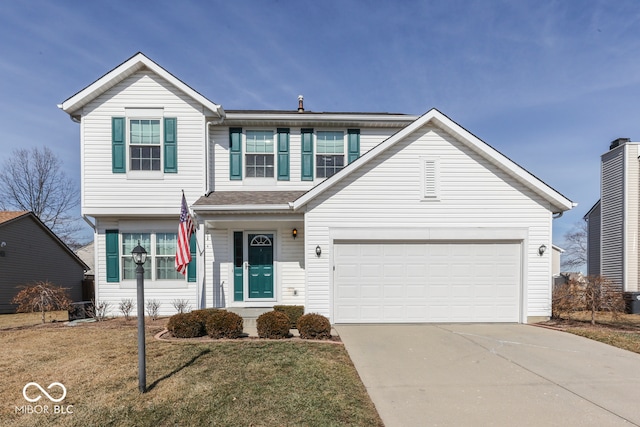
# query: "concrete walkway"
{"type": "Point", "coordinates": [493, 375]}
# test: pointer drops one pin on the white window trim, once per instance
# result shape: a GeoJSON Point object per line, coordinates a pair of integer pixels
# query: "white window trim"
{"type": "Point", "coordinates": [257, 179]}
{"type": "Point", "coordinates": [345, 150]}
{"type": "Point", "coordinates": [144, 114]}
{"type": "Point", "coordinates": [153, 282]}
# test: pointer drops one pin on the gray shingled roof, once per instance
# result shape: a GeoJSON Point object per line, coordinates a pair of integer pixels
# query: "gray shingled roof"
{"type": "Point", "coordinates": [231, 198]}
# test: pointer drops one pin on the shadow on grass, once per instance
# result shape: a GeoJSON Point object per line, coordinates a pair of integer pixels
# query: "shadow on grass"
{"type": "Point", "coordinates": [178, 369]}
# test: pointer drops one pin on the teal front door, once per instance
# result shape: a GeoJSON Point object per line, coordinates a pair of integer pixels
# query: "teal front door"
{"type": "Point", "coordinates": [260, 259]}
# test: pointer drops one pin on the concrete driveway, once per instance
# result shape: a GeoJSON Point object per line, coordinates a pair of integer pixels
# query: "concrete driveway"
{"type": "Point", "coordinates": [493, 375]}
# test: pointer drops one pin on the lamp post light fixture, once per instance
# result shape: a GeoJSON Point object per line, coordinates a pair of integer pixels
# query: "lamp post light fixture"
{"type": "Point", "coordinates": [139, 255]}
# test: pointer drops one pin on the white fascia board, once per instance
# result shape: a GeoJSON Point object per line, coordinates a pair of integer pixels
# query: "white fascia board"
{"type": "Point", "coordinates": [556, 199]}
{"type": "Point", "coordinates": [127, 68]}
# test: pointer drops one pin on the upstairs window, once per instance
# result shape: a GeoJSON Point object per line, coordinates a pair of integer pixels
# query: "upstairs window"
{"type": "Point", "coordinates": [329, 153]}
{"type": "Point", "coordinates": [259, 154]}
{"type": "Point", "coordinates": [144, 145]}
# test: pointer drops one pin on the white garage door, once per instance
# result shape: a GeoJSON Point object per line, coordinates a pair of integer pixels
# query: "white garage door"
{"type": "Point", "coordinates": [388, 282]}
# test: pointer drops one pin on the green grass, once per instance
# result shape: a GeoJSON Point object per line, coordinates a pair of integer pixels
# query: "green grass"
{"type": "Point", "coordinates": [228, 383]}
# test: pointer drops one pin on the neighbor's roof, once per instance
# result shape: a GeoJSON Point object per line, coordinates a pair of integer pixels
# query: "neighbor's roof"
{"type": "Point", "coordinates": [131, 66]}
{"type": "Point", "coordinates": [559, 202]}
{"type": "Point", "coordinates": [6, 216]}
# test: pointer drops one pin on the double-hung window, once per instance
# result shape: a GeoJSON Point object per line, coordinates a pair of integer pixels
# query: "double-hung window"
{"type": "Point", "coordinates": [329, 153]}
{"type": "Point", "coordinates": [144, 145]}
{"type": "Point", "coordinates": [144, 141]}
{"type": "Point", "coordinates": [160, 263]}
{"type": "Point", "coordinates": [259, 154]}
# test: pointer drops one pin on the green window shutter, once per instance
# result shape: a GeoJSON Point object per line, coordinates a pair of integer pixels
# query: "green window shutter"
{"type": "Point", "coordinates": [235, 153]}
{"type": "Point", "coordinates": [170, 145]}
{"type": "Point", "coordinates": [307, 154]}
{"type": "Point", "coordinates": [283, 154]}
{"type": "Point", "coordinates": [112, 248]}
{"type": "Point", "coordinates": [238, 267]}
{"type": "Point", "coordinates": [118, 145]}
{"type": "Point", "coordinates": [353, 143]}
{"type": "Point", "coordinates": [191, 268]}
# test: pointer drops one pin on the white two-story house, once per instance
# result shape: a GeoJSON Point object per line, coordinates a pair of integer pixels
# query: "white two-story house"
{"type": "Point", "coordinates": [362, 217]}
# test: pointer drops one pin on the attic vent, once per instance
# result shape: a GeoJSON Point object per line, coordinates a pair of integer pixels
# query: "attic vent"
{"type": "Point", "coordinates": [300, 104]}
{"type": "Point", "coordinates": [430, 172]}
{"type": "Point", "coordinates": [618, 142]}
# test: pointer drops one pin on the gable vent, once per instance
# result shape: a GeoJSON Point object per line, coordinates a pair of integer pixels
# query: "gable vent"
{"type": "Point", "coordinates": [430, 178]}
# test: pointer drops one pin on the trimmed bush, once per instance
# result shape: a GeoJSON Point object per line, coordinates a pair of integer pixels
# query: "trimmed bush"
{"type": "Point", "coordinates": [224, 324]}
{"type": "Point", "coordinates": [185, 325]}
{"type": "Point", "coordinates": [204, 314]}
{"type": "Point", "coordinates": [293, 311]}
{"type": "Point", "coordinates": [314, 326]}
{"type": "Point", "coordinates": [273, 324]}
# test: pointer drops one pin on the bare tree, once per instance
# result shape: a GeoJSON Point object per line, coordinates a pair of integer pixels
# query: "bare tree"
{"type": "Point", "coordinates": [42, 297]}
{"type": "Point", "coordinates": [33, 180]}
{"type": "Point", "coordinates": [575, 247]}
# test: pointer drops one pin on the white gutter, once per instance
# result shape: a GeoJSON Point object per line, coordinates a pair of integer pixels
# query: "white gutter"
{"type": "Point", "coordinates": [92, 225]}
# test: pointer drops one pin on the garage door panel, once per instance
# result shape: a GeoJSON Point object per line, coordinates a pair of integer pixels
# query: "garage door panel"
{"type": "Point", "coordinates": [427, 282]}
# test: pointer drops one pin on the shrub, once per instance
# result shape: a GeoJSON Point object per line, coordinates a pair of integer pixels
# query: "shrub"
{"type": "Point", "coordinates": [273, 324]}
{"type": "Point", "coordinates": [153, 307]}
{"type": "Point", "coordinates": [185, 325]}
{"type": "Point", "coordinates": [314, 326]}
{"type": "Point", "coordinates": [293, 311]}
{"type": "Point", "coordinates": [99, 310]}
{"type": "Point", "coordinates": [204, 314]}
{"type": "Point", "coordinates": [181, 305]}
{"type": "Point", "coordinates": [125, 307]}
{"type": "Point", "coordinates": [224, 324]}
{"type": "Point", "coordinates": [42, 297]}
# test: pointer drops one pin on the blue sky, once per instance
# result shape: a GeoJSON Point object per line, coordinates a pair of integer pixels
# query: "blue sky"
{"type": "Point", "coordinates": [547, 83]}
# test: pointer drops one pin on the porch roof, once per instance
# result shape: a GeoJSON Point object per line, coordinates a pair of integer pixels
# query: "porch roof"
{"type": "Point", "coordinates": [246, 200]}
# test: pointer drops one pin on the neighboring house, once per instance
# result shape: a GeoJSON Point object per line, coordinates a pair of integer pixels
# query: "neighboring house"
{"type": "Point", "coordinates": [613, 223]}
{"type": "Point", "coordinates": [87, 255]}
{"type": "Point", "coordinates": [556, 255]}
{"type": "Point", "coordinates": [362, 217]}
{"type": "Point", "coordinates": [31, 252]}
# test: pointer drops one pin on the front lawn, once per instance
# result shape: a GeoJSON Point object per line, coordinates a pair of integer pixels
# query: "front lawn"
{"type": "Point", "coordinates": [228, 383]}
{"type": "Point", "coordinates": [622, 332]}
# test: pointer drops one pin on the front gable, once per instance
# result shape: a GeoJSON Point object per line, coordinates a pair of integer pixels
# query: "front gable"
{"type": "Point", "coordinates": [437, 120]}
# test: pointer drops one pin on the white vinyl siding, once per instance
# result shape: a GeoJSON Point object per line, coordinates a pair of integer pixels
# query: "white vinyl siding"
{"type": "Point", "coordinates": [164, 291]}
{"type": "Point", "coordinates": [385, 197]}
{"type": "Point", "coordinates": [106, 193]}
{"type": "Point", "coordinates": [219, 159]}
{"type": "Point", "coordinates": [612, 205]}
{"type": "Point", "coordinates": [288, 262]}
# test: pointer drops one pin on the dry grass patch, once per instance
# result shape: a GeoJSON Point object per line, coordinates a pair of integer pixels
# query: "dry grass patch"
{"type": "Point", "coordinates": [19, 320]}
{"type": "Point", "coordinates": [621, 330]}
{"type": "Point", "coordinates": [243, 382]}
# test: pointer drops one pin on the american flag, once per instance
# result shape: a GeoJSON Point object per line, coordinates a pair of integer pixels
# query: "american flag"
{"type": "Point", "coordinates": [185, 229]}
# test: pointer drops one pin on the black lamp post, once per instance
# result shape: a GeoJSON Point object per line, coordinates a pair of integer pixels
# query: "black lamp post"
{"type": "Point", "coordinates": [139, 257]}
